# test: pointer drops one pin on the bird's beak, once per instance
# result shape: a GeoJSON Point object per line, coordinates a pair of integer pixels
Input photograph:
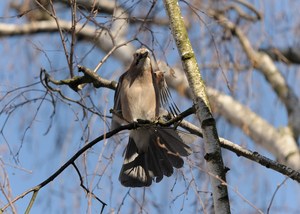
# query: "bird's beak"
{"type": "Point", "coordinates": [141, 56]}
{"type": "Point", "coordinates": [144, 55]}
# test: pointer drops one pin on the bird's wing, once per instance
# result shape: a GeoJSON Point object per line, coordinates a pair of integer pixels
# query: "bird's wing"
{"type": "Point", "coordinates": [165, 97]}
{"type": "Point", "coordinates": [117, 110]}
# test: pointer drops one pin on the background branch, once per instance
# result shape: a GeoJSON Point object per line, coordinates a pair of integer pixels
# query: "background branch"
{"type": "Point", "coordinates": [263, 63]}
{"type": "Point", "coordinates": [276, 141]}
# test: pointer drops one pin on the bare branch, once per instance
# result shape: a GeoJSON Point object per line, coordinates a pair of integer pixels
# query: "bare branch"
{"type": "Point", "coordinates": [262, 160]}
{"type": "Point", "coordinates": [289, 55]}
{"type": "Point", "coordinates": [279, 142]}
{"type": "Point", "coordinates": [34, 195]}
{"type": "Point", "coordinates": [88, 192]}
{"type": "Point", "coordinates": [263, 63]}
{"type": "Point", "coordinates": [102, 6]}
{"type": "Point", "coordinates": [240, 151]}
{"type": "Point", "coordinates": [76, 83]}
{"type": "Point", "coordinates": [273, 196]}
{"type": "Point", "coordinates": [74, 157]}
{"type": "Point", "coordinates": [100, 37]}
{"type": "Point", "coordinates": [258, 129]}
{"type": "Point", "coordinates": [7, 196]}
{"type": "Point", "coordinates": [72, 31]}
{"type": "Point", "coordinates": [251, 8]}
{"type": "Point", "coordinates": [70, 161]}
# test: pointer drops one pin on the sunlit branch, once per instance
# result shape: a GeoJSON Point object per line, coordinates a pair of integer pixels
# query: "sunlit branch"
{"type": "Point", "coordinates": [254, 156]}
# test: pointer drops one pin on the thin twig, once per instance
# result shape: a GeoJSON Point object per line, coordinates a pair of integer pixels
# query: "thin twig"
{"type": "Point", "coordinates": [73, 36]}
{"type": "Point", "coordinates": [71, 82]}
{"type": "Point", "coordinates": [70, 161]}
{"type": "Point", "coordinates": [61, 36]}
{"type": "Point", "coordinates": [88, 192]}
{"type": "Point", "coordinates": [231, 187]}
{"type": "Point", "coordinates": [107, 135]}
{"type": "Point", "coordinates": [14, 211]}
{"type": "Point", "coordinates": [35, 192]}
{"type": "Point", "coordinates": [250, 7]}
{"type": "Point", "coordinates": [274, 194]}
{"type": "Point", "coordinates": [115, 47]}
{"type": "Point", "coordinates": [254, 156]}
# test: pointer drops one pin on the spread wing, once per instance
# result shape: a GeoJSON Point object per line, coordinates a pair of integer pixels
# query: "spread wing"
{"type": "Point", "coordinates": [165, 97]}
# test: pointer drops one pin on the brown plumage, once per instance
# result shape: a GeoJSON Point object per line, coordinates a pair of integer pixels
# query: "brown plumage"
{"type": "Point", "coordinates": [152, 151]}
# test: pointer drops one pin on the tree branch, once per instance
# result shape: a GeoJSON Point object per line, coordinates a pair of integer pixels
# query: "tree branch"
{"type": "Point", "coordinates": [251, 155]}
{"type": "Point", "coordinates": [263, 63]}
{"type": "Point", "coordinates": [288, 54]}
{"type": "Point", "coordinates": [76, 83]}
{"type": "Point", "coordinates": [258, 15]}
{"type": "Point", "coordinates": [71, 161]}
{"type": "Point", "coordinates": [102, 37]}
{"type": "Point", "coordinates": [88, 192]}
{"type": "Point", "coordinates": [279, 142]}
{"type": "Point", "coordinates": [102, 6]}
{"type": "Point", "coordinates": [211, 140]}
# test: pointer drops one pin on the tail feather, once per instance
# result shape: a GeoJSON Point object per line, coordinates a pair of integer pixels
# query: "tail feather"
{"type": "Point", "coordinates": [173, 157]}
{"type": "Point", "coordinates": [162, 159]}
{"type": "Point", "coordinates": [171, 139]}
{"type": "Point", "coordinates": [134, 172]}
{"type": "Point", "coordinates": [163, 152]}
{"type": "Point", "coordinates": [154, 166]}
{"type": "Point", "coordinates": [176, 160]}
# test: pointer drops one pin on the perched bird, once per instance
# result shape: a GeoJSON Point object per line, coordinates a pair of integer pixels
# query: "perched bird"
{"type": "Point", "coordinates": [152, 151]}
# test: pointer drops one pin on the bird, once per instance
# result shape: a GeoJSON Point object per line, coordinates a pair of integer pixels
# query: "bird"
{"type": "Point", "coordinates": [152, 151]}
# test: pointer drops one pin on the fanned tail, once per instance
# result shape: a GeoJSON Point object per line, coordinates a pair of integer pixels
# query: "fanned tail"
{"type": "Point", "coordinates": [134, 172]}
{"type": "Point", "coordinates": [164, 151]}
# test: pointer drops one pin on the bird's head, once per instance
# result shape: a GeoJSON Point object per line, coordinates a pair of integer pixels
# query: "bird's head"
{"type": "Point", "coordinates": [142, 58]}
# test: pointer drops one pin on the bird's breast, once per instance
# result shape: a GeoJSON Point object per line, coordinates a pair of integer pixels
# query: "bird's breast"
{"type": "Point", "coordinates": [138, 101]}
